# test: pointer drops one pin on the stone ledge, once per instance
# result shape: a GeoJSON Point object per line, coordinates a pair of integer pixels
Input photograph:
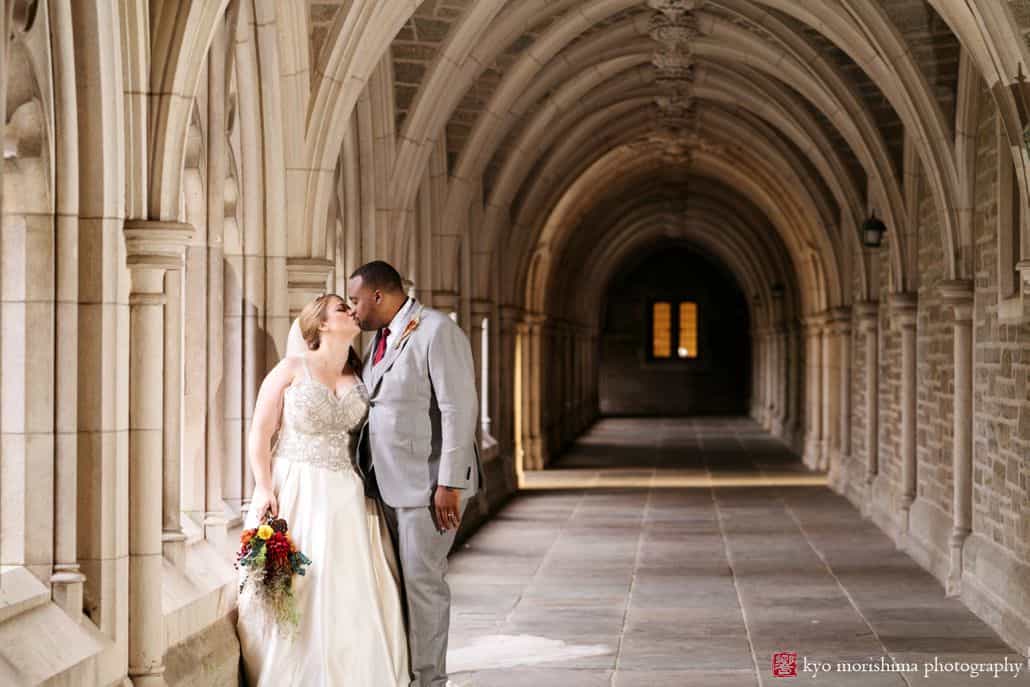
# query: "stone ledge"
{"type": "Point", "coordinates": [20, 591]}
{"type": "Point", "coordinates": [199, 595]}
{"type": "Point", "coordinates": [988, 569]}
{"type": "Point", "coordinates": [210, 658]}
{"type": "Point", "coordinates": [45, 645]}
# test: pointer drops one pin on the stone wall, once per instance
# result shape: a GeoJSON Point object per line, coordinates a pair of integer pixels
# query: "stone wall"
{"type": "Point", "coordinates": [887, 490]}
{"type": "Point", "coordinates": [931, 519]}
{"type": "Point", "coordinates": [997, 554]}
{"type": "Point", "coordinates": [857, 458]}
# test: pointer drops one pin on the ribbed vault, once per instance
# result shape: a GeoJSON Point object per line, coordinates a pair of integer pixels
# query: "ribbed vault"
{"type": "Point", "coordinates": [525, 149]}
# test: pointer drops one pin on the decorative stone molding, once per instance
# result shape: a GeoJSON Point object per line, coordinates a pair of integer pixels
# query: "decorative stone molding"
{"type": "Point", "coordinates": [481, 307]}
{"type": "Point", "coordinates": [154, 244]}
{"type": "Point", "coordinates": [904, 309]}
{"type": "Point", "coordinates": [958, 294]}
{"type": "Point", "coordinates": [309, 274]}
{"type": "Point", "coordinates": [868, 315]}
{"type": "Point", "coordinates": [839, 321]}
{"type": "Point", "coordinates": [673, 26]}
{"type": "Point", "coordinates": [813, 323]}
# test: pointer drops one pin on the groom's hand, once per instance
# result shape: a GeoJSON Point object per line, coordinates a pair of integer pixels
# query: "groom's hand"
{"type": "Point", "coordinates": [447, 506]}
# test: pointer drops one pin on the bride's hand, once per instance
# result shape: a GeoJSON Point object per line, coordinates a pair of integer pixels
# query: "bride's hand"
{"type": "Point", "coordinates": [263, 501]}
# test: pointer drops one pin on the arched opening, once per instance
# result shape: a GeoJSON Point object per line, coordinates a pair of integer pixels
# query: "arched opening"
{"type": "Point", "coordinates": [675, 337]}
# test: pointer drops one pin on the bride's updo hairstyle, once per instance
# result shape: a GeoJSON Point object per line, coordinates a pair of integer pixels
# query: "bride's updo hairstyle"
{"type": "Point", "coordinates": [312, 317]}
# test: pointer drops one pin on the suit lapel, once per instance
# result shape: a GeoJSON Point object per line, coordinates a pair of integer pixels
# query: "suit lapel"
{"type": "Point", "coordinates": [366, 365]}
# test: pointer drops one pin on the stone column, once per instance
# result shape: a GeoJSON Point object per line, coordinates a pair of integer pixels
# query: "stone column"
{"type": "Point", "coordinates": [959, 295]}
{"type": "Point", "coordinates": [532, 392]}
{"type": "Point", "coordinates": [505, 419]}
{"type": "Point", "coordinates": [480, 340]}
{"type": "Point", "coordinates": [904, 313]}
{"type": "Point", "coordinates": [782, 381]}
{"type": "Point", "coordinates": [758, 374]}
{"type": "Point", "coordinates": [838, 399]}
{"type": "Point", "coordinates": [520, 426]}
{"type": "Point", "coordinates": [828, 341]}
{"type": "Point", "coordinates": [868, 322]}
{"type": "Point", "coordinates": [173, 540]}
{"type": "Point", "coordinates": [67, 581]}
{"type": "Point", "coordinates": [152, 248]}
{"type": "Point", "coordinates": [813, 396]}
{"type": "Point", "coordinates": [793, 390]}
{"type": "Point", "coordinates": [214, 446]}
{"type": "Point", "coordinates": [769, 403]}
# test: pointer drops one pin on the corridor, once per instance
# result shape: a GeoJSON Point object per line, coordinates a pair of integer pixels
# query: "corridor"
{"type": "Point", "coordinates": [686, 552]}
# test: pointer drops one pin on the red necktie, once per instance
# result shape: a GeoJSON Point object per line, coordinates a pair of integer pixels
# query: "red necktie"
{"type": "Point", "coordinates": [381, 345]}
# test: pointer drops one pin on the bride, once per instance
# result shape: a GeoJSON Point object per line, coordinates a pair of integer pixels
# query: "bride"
{"type": "Point", "coordinates": [351, 628]}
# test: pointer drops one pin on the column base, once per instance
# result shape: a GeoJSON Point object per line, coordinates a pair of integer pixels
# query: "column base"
{"type": "Point", "coordinates": [173, 547]}
{"type": "Point", "coordinates": [66, 590]}
{"type": "Point", "coordinates": [155, 679]}
{"type": "Point", "coordinates": [824, 455]}
{"type": "Point", "coordinates": [812, 453]}
{"type": "Point", "coordinates": [867, 502]}
{"type": "Point", "coordinates": [902, 534]}
{"type": "Point", "coordinates": [953, 586]}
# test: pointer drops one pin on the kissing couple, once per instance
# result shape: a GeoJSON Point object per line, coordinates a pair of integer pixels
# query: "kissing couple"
{"type": "Point", "coordinates": [373, 466]}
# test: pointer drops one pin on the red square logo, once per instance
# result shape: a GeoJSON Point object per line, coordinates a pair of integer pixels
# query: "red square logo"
{"type": "Point", "coordinates": [785, 664]}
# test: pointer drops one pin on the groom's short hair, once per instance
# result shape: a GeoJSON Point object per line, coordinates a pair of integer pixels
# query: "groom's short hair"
{"type": "Point", "coordinates": [379, 275]}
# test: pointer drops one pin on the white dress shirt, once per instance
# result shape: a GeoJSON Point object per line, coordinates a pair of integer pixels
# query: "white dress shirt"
{"type": "Point", "coordinates": [397, 325]}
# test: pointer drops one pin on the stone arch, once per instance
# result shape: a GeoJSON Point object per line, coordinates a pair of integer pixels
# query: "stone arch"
{"type": "Point", "coordinates": [625, 163]}
{"type": "Point", "coordinates": [179, 38]}
{"type": "Point", "coordinates": [362, 39]}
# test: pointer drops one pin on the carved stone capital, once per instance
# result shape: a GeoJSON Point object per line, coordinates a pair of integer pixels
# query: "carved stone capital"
{"type": "Point", "coordinates": [868, 315]}
{"type": "Point", "coordinates": [307, 274]}
{"type": "Point", "coordinates": [151, 249]}
{"type": "Point", "coordinates": [958, 294]}
{"type": "Point", "coordinates": [904, 309]}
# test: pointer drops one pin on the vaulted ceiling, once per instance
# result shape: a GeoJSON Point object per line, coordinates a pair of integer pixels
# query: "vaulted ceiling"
{"type": "Point", "coordinates": [796, 118]}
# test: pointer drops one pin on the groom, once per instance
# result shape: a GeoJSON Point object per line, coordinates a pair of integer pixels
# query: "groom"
{"type": "Point", "coordinates": [422, 439]}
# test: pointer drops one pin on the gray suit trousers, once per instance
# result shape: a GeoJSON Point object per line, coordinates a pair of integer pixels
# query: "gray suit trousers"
{"type": "Point", "coordinates": [422, 551]}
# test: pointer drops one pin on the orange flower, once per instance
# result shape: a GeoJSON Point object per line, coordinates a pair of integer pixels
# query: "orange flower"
{"type": "Point", "coordinates": [246, 536]}
{"type": "Point", "coordinates": [412, 326]}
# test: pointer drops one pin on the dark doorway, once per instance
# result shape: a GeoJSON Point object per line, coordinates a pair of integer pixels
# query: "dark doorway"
{"type": "Point", "coordinates": [676, 337]}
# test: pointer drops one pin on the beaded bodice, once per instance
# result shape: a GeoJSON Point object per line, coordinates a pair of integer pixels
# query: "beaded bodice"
{"type": "Point", "coordinates": [320, 428]}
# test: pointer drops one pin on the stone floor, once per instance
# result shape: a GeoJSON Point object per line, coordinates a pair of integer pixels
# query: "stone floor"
{"type": "Point", "coordinates": [604, 574]}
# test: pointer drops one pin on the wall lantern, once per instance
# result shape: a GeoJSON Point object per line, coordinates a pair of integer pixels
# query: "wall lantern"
{"type": "Point", "coordinates": [872, 232]}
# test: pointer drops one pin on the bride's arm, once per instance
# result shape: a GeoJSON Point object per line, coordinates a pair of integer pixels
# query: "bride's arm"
{"type": "Point", "coordinates": [259, 441]}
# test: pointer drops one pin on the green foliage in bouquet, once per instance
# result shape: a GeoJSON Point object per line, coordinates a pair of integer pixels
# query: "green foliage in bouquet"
{"type": "Point", "coordinates": [270, 559]}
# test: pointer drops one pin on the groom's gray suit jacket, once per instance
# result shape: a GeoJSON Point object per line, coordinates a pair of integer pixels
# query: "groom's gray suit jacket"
{"type": "Point", "coordinates": [421, 428]}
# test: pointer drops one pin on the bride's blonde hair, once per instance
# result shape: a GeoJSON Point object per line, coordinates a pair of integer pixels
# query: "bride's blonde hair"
{"type": "Point", "coordinates": [312, 317]}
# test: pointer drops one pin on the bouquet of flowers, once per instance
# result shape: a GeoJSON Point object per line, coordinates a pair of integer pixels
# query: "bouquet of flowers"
{"type": "Point", "coordinates": [269, 560]}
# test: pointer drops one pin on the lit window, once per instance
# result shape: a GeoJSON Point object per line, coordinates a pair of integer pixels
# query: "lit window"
{"type": "Point", "coordinates": [669, 325]}
{"type": "Point", "coordinates": [688, 330]}
{"type": "Point", "coordinates": [662, 330]}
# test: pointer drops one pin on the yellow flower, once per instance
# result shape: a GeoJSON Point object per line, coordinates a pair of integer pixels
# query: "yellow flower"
{"type": "Point", "coordinates": [265, 531]}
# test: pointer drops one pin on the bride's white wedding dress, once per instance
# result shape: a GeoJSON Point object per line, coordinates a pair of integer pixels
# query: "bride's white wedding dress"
{"type": "Point", "coordinates": [351, 628]}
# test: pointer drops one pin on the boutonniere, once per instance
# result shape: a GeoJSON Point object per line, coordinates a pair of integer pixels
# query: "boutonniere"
{"type": "Point", "coordinates": [411, 326]}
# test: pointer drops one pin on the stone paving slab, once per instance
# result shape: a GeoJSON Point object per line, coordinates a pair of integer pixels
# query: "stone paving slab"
{"type": "Point", "coordinates": [657, 584]}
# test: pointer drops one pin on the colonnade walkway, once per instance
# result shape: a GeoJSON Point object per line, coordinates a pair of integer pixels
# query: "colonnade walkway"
{"type": "Point", "coordinates": [683, 552]}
